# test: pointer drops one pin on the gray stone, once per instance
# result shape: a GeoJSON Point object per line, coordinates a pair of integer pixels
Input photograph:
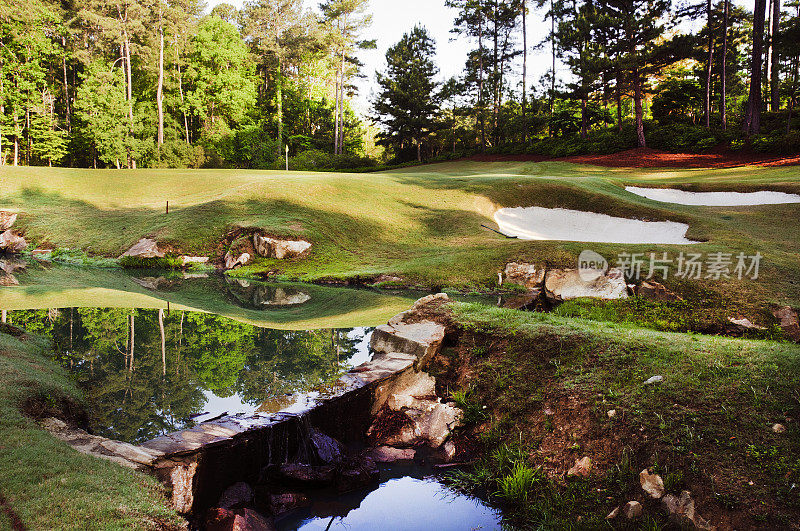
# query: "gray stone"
{"type": "Point", "coordinates": [277, 248]}
{"type": "Point", "coordinates": [7, 219]}
{"type": "Point", "coordinates": [681, 511]}
{"type": "Point", "coordinates": [744, 324]}
{"type": "Point", "coordinates": [431, 427]}
{"type": "Point", "coordinates": [778, 428]}
{"type": "Point", "coordinates": [655, 379]}
{"type": "Point", "coordinates": [188, 260]}
{"type": "Point", "coordinates": [632, 510]}
{"type": "Point", "coordinates": [12, 265]}
{"type": "Point", "coordinates": [144, 248]}
{"type": "Point", "coordinates": [652, 484]}
{"type": "Point", "coordinates": [527, 275]}
{"type": "Point", "coordinates": [421, 339]}
{"type": "Point", "coordinates": [233, 262]}
{"type": "Point", "coordinates": [582, 468]}
{"type": "Point", "coordinates": [562, 285]}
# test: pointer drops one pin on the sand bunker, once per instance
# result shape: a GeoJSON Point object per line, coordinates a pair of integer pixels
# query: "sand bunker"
{"type": "Point", "coordinates": [536, 223]}
{"type": "Point", "coordinates": [680, 197]}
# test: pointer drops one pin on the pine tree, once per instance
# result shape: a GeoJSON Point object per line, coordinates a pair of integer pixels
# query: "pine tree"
{"type": "Point", "coordinates": [407, 104]}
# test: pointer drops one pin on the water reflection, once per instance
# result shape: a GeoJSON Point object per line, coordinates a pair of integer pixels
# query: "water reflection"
{"type": "Point", "coordinates": [406, 498]}
{"type": "Point", "coordinates": [149, 372]}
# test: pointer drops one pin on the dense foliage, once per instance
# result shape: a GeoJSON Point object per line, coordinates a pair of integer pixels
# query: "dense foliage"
{"type": "Point", "coordinates": [159, 83]}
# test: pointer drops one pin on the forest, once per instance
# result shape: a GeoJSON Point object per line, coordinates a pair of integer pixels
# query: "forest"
{"type": "Point", "coordinates": [165, 83]}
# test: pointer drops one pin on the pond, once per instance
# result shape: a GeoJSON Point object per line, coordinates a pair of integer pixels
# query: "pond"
{"type": "Point", "coordinates": [155, 353]}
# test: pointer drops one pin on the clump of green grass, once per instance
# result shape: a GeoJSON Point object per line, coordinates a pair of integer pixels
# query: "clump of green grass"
{"type": "Point", "coordinates": [166, 262]}
{"type": "Point", "coordinates": [518, 486]}
{"type": "Point", "coordinates": [47, 484]}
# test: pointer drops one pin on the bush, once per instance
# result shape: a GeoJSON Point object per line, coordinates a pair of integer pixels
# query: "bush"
{"type": "Point", "coordinates": [316, 160]}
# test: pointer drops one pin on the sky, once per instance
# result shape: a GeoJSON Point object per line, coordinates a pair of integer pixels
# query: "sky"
{"type": "Point", "coordinates": [393, 18]}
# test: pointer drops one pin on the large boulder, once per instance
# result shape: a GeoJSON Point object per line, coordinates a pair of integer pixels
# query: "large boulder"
{"type": "Point", "coordinates": [356, 473]}
{"type": "Point", "coordinates": [789, 322]}
{"type": "Point", "coordinates": [566, 284]}
{"type": "Point", "coordinates": [219, 519]}
{"type": "Point", "coordinates": [12, 243]}
{"type": "Point", "coordinates": [237, 494]}
{"type": "Point", "coordinates": [421, 339]}
{"type": "Point", "coordinates": [431, 425]}
{"type": "Point", "coordinates": [144, 248]}
{"type": "Point", "coordinates": [7, 219]}
{"type": "Point", "coordinates": [285, 502]}
{"type": "Point", "coordinates": [527, 275]}
{"type": "Point", "coordinates": [276, 248]}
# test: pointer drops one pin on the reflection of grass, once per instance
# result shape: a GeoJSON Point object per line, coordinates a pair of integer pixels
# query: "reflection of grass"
{"type": "Point", "coordinates": [47, 484]}
{"type": "Point", "coordinates": [328, 307]}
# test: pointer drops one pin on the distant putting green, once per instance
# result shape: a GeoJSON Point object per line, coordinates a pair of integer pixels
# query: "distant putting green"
{"type": "Point", "coordinates": [423, 223]}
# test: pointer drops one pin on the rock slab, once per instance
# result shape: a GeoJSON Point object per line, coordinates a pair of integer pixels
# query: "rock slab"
{"type": "Point", "coordinates": [566, 284]}
{"type": "Point", "coordinates": [144, 248]}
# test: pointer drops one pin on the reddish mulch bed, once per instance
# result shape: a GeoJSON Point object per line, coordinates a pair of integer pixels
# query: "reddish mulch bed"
{"type": "Point", "coordinates": [653, 158]}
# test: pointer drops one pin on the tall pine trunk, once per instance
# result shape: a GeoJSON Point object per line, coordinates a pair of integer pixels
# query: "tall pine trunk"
{"type": "Point", "coordinates": [752, 119]}
{"type": "Point", "coordinates": [160, 88]}
{"type": "Point", "coordinates": [553, 66]}
{"type": "Point", "coordinates": [709, 65]}
{"type": "Point", "coordinates": [127, 44]}
{"type": "Point", "coordinates": [481, 114]}
{"type": "Point", "coordinates": [279, 112]}
{"type": "Point", "coordinates": [775, 95]}
{"type": "Point", "coordinates": [524, 72]}
{"type": "Point", "coordinates": [724, 72]}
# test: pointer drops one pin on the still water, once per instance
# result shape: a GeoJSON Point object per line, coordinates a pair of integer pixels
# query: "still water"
{"type": "Point", "coordinates": [155, 353]}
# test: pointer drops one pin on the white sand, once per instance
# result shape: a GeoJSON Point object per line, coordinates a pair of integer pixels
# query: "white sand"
{"type": "Point", "coordinates": [680, 197]}
{"type": "Point", "coordinates": [536, 223]}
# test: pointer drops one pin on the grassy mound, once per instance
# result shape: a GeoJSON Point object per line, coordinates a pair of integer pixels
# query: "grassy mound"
{"type": "Point", "coordinates": [422, 224]}
{"type": "Point", "coordinates": [538, 389]}
{"type": "Point", "coordinates": [44, 484]}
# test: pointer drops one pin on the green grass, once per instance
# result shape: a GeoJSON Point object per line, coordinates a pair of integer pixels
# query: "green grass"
{"type": "Point", "coordinates": [422, 224]}
{"type": "Point", "coordinates": [706, 427]}
{"type": "Point", "coordinates": [48, 484]}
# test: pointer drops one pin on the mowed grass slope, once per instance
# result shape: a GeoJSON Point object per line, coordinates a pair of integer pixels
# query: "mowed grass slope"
{"type": "Point", "coordinates": [45, 483]}
{"type": "Point", "coordinates": [422, 223]}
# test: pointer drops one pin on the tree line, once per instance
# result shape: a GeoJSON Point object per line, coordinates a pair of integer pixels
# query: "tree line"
{"type": "Point", "coordinates": [133, 83]}
{"type": "Point", "coordinates": [159, 83]}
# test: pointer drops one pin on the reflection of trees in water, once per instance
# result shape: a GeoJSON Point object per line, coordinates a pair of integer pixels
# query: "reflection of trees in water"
{"type": "Point", "coordinates": [151, 385]}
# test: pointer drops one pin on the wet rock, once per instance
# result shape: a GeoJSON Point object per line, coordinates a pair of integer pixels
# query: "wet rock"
{"type": "Point", "coordinates": [12, 243]}
{"type": "Point", "coordinates": [431, 426]}
{"type": "Point", "coordinates": [681, 511]}
{"type": "Point", "coordinates": [7, 219]}
{"type": "Point", "coordinates": [421, 339]}
{"type": "Point", "coordinates": [652, 484]}
{"type": "Point", "coordinates": [655, 291]}
{"type": "Point", "coordinates": [527, 275]}
{"type": "Point", "coordinates": [632, 510]}
{"type": "Point", "coordinates": [233, 262]}
{"type": "Point", "coordinates": [277, 248]}
{"type": "Point", "coordinates": [246, 519]}
{"type": "Point", "coordinates": [778, 428]}
{"type": "Point", "coordinates": [144, 248]}
{"type": "Point", "coordinates": [653, 380]}
{"type": "Point", "coordinates": [389, 454]}
{"type": "Point", "coordinates": [327, 449]}
{"type": "Point", "coordinates": [789, 322]}
{"type": "Point", "coordinates": [288, 501]}
{"type": "Point", "coordinates": [581, 468]}
{"type": "Point", "coordinates": [237, 494]}
{"type": "Point", "coordinates": [303, 476]}
{"type": "Point", "coordinates": [356, 473]}
{"type": "Point", "coordinates": [562, 285]}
